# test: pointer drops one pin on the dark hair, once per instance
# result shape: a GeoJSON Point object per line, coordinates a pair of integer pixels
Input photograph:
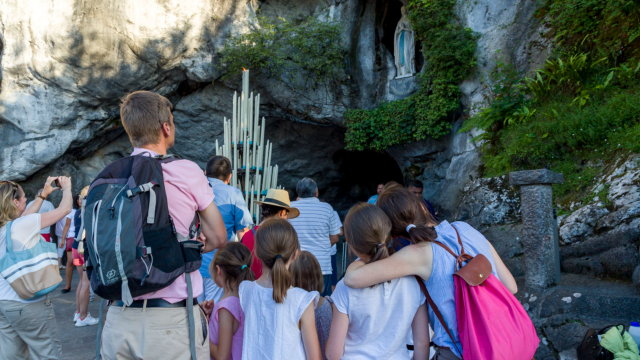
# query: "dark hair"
{"type": "Point", "coordinates": [416, 184]}
{"type": "Point", "coordinates": [307, 273]}
{"type": "Point", "coordinates": [368, 231]}
{"type": "Point", "coordinates": [219, 167]}
{"type": "Point", "coordinates": [276, 243]}
{"type": "Point", "coordinates": [75, 201]}
{"type": "Point", "coordinates": [268, 211]}
{"type": "Point", "coordinates": [234, 259]}
{"type": "Point", "coordinates": [306, 188]}
{"type": "Point", "coordinates": [404, 209]}
{"type": "Point", "coordinates": [142, 114]}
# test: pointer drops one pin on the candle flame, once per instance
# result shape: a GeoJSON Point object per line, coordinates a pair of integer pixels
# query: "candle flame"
{"type": "Point", "coordinates": [244, 69]}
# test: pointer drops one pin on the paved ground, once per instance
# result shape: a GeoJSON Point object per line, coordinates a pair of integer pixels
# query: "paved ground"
{"type": "Point", "coordinates": [78, 343]}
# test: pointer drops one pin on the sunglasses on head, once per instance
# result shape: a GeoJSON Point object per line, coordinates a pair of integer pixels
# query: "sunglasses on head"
{"type": "Point", "coordinates": [14, 185]}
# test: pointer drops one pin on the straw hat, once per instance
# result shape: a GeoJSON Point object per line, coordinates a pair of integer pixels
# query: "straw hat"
{"type": "Point", "coordinates": [280, 198]}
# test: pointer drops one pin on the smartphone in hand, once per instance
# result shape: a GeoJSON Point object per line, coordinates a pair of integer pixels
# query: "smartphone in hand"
{"type": "Point", "coordinates": [56, 183]}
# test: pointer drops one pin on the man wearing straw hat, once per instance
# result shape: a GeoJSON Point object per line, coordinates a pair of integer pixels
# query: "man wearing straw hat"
{"type": "Point", "coordinates": [235, 214]}
{"type": "Point", "coordinates": [316, 226]}
{"type": "Point", "coordinates": [275, 204]}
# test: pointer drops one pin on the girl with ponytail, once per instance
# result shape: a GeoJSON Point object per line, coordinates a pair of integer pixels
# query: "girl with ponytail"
{"type": "Point", "coordinates": [373, 322]}
{"type": "Point", "coordinates": [229, 267]}
{"type": "Point", "coordinates": [410, 220]}
{"type": "Point", "coordinates": [279, 318]}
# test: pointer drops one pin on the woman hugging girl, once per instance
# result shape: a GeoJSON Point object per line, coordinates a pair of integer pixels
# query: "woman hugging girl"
{"type": "Point", "coordinates": [373, 322]}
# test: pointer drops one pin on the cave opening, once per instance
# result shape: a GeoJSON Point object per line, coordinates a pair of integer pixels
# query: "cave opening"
{"type": "Point", "coordinates": [360, 173]}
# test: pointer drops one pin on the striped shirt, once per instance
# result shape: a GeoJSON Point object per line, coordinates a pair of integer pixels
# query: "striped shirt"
{"type": "Point", "coordinates": [314, 226]}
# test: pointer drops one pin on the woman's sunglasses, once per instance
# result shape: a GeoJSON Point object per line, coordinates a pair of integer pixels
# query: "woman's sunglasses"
{"type": "Point", "coordinates": [14, 185]}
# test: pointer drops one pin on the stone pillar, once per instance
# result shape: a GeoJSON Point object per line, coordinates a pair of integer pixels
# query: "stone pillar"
{"type": "Point", "coordinates": [539, 241]}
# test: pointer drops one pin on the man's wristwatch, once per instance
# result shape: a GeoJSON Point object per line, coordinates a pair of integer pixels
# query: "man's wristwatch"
{"type": "Point", "coordinates": [41, 196]}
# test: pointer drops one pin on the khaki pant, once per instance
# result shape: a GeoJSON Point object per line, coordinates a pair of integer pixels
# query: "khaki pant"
{"type": "Point", "coordinates": [154, 333]}
{"type": "Point", "coordinates": [28, 331]}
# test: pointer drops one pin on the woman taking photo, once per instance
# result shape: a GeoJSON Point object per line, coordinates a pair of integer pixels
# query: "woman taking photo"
{"type": "Point", "coordinates": [28, 327]}
{"type": "Point", "coordinates": [410, 220]}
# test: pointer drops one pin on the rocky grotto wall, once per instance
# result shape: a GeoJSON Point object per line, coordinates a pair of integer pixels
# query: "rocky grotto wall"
{"type": "Point", "coordinates": [66, 64]}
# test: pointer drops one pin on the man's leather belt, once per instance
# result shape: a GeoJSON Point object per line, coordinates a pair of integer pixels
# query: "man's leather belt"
{"type": "Point", "coordinates": [155, 303]}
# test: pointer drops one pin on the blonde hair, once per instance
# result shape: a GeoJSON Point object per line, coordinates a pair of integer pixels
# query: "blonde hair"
{"type": "Point", "coordinates": [306, 272]}
{"type": "Point", "coordinates": [9, 211]}
{"type": "Point", "coordinates": [368, 231]}
{"type": "Point", "coordinates": [234, 259]}
{"type": "Point", "coordinates": [142, 114]}
{"type": "Point", "coordinates": [276, 244]}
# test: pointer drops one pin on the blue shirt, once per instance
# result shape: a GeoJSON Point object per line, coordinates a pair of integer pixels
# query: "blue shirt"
{"type": "Point", "coordinates": [373, 199]}
{"type": "Point", "coordinates": [441, 286]}
{"type": "Point", "coordinates": [235, 215]}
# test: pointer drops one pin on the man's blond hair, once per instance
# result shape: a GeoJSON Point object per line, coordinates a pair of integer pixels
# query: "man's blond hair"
{"type": "Point", "coordinates": [142, 114]}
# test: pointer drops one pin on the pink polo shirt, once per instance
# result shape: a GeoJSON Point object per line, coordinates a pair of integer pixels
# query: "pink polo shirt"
{"type": "Point", "coordinates": [187, 191]}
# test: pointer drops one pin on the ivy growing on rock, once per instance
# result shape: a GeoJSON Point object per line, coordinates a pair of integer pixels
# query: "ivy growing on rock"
{"type": "Point", "coordinates": [448, 50]}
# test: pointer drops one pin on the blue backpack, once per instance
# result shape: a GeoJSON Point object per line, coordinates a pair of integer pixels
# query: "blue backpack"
{"type": "Point", "coordinates": [32, 272]}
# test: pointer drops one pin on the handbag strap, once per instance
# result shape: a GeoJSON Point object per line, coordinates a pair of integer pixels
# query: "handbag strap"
{"type": "Point", "coordinates": [436, 311]}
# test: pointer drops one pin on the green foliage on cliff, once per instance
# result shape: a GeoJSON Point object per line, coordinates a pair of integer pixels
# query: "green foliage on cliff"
{"type": "Point", "coordinates": [302, 55]}
{"type": "Point", "coordinates": [448, 50]}
{"type": "Point", "coordinates": [580, 110]}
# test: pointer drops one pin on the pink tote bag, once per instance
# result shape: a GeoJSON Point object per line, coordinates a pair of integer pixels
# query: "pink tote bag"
{"type": "Point", "coordinates": [492, 324]}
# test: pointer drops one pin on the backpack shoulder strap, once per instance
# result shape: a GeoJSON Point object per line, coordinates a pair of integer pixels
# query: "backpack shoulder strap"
{"type": "Point", "coordinates": [460, 259]}
{"type": "Point", "coordinates": [163, 159]}
{"type": "Point", "coordinates": [436, 311]}
{"type": "Point", "coordinates": [7, 239]}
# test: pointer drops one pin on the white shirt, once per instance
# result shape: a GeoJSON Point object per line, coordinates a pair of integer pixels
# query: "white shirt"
{"type": "Point", "coordinates": [45, 207]}
{"type": "Point", "coordinates": [314, 225]}
{"type": "Point", "coordinates": [60, 225]}
{"type": "Point", "coordinates": [270, 329]}
{"type": "Point", "coordinates": [334, 248]}
{"type": "Point", "coordinates": [380, 318]}
{"type": "Point", "coordinates": [25, 234]}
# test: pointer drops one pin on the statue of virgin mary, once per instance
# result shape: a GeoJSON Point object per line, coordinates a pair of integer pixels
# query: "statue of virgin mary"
{"type": "Point", "coordinates": [404, 47]}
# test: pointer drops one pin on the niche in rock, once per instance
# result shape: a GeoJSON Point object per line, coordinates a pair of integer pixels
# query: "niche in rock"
{"type": "Point", "coordinates": [387, 18]}
{"type": "Point", "coordinates": [360, 174]}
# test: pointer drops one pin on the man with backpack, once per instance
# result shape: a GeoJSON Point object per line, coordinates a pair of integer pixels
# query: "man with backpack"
{"type": "Point", "coordinates": [142, 324]}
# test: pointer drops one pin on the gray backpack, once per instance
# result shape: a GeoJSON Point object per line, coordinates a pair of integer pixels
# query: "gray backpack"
{"type": "Point", "coordinates": [130, 237]}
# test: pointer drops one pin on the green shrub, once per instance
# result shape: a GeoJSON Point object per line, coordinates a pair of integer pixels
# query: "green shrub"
{"type": "Point", "coordinates": [566, 138]}
{"type": "Point", "coordinates": [609, 26]}
{"type": "Point", "coordinates": [448, 50]}
{"type": "Point", "coordinates": [302, 55]}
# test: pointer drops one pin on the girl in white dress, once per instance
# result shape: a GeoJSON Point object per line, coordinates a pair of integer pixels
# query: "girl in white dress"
{"type": "Point", "coordinates": [279, 319]}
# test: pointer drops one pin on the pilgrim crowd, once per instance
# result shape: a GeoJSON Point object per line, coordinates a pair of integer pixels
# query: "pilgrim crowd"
{"type": "Point", "coordinates": [264, 291]}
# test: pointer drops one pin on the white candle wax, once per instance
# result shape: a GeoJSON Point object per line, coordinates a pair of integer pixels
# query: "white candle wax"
{"type": "Point", "coordinates": [262, 133]}
{"type": "Point", "coordinates": [250, 117]}
{"type": "Point", "coordinates": [235, 110]}
{"type": "Point", "coordinates": [275, 175]}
